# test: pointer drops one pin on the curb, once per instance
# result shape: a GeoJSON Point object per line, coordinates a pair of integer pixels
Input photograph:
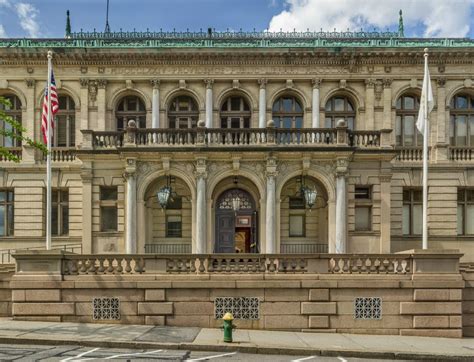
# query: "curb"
{"type": "Point", "coordinates": [238, 348]}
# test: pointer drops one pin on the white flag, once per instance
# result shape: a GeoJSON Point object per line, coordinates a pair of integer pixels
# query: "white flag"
{"type": "Point", "coordinates": [426, 92]}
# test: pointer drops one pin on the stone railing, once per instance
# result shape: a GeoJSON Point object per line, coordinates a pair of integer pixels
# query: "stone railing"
{"type": "Point", "coordinates": [461, 153]}
{"type": "Point", "coordinates": [160, 248]}
{"type": "Point", "coordinates": [16, 151]}
{"type": "Point", "coordinates": [371, 264]}
{"type": "Point", "coordinates": [103, 264]}
{"type": "Point", "coordinates": [303, 248]}
{"type": "Point", "coordinates": [62, 154]}
{"type": "Point", "coordinates": [225, 137]}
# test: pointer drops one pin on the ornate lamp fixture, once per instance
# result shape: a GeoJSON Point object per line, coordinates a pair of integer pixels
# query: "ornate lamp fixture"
{"type": "Point", "coordinates": [236, 198]}
{"type": "Point", "coordinates": [164, 194]}
{"type": "Point", "coordinates": [310, 195]}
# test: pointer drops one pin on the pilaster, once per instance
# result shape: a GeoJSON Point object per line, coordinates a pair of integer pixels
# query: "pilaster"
{"type": "Point", "coordinates": [101, 104]}
{"type": "Point", "coordinates": [86, 178]}
{"type": "Point", "coordinates": [369, 104]}
{"type": "Point", "coordinates": [315, 121]}
{"type": "Point", "coordinates": [385, 205]}
{"type": "Point", "coordinates": [84, 120]}
{"type": "Point", "coordinates": [441, 142]}
{"type": "Point", "coordinates": [29, 154]}
{"type": "Point", "coordinates": [131, 206]}
{"type": "Point", "coordinates": [342, 165]}
{"type": "Point", "coordinates": [201, 209]}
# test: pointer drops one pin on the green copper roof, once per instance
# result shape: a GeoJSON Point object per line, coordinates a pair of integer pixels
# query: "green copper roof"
{"type": "Point", "coordinates": [240, 39]}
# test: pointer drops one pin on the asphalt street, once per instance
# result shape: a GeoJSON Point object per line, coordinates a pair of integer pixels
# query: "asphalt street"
{"type": "Point", "coordinates": [30, 353]}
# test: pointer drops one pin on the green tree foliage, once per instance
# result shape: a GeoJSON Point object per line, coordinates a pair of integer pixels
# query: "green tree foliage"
{"type": "Point", "coordinates": [14, 132]}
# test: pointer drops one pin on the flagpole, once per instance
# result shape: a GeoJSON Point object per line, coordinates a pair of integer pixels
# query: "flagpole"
{"type": "Point", "coordinates": [48, 157]}
{"type": "Point", "coordinates": [425, 155]}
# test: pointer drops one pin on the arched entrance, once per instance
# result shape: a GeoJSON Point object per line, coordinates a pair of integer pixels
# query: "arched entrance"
{"type": "Point", "coordinates": [236, 223]}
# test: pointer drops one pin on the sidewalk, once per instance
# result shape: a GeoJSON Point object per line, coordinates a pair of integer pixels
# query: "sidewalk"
{"type": "Point", "coordinates": [250, 341]}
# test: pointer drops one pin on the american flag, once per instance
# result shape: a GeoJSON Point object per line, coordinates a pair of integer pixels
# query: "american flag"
{"type": "Point", "coordinates": [54, 109]}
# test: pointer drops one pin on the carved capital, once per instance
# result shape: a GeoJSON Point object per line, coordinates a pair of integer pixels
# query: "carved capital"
{"type": "Point", "coordinates": [84, 82]}
{"type": "Point", "coordinates": [102, 83]}
{"type": "Point", "coordinates": [263, 83]}
{"type": "Point", "coordinates": [30, 82]}
{"type": "Point", "coordinates": [271, 168]}
{"type": "Point", "coordinates": [155, 83]}
{"type": "Point", "coordinates": [342, 83]}
{"type": "Point", "coordinates": [441, 82]}
{"type": "Point", "coordinates": [342, 165]}
{"type": "Point", "coordinates": [93, 90]}
{"type": "Point", "coordinates": [370, 83]}
{"type": "Point", "coordinates": [209, 83]}
{"type": "Point", "coordinates": [316, 82]}
{"type": "Point", "coordinates": [201, 168]}
{"type": "Point", "coordinates": [385, 178]}
{"type": "Point", "coordinates": [387, 82]}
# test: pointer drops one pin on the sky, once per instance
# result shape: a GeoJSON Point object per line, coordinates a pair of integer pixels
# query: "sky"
{"type": "Point", "coordinates": [422, 18]}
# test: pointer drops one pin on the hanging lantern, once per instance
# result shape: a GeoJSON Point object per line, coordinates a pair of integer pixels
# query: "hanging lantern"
{"type": "Point", "coordinates": [164, 196]}
{"type": "Point", "coordinates": [310, 196]}
{"type": "Point", "coordinates": [236, 203]}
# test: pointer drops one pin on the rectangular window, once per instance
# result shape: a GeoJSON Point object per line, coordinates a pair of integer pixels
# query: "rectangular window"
{"type": "Point", "coordinates": [362, 193]}
{"type": "Point", "coordinates": [174, 226]}
{"type": "Point", "coordinates": [465, 217]}
{"type": "Point", "coordinates": [6, 212]}
{"type": "Point", "coordinates": [412, 211]}
{"type": "Point", "coordinates": [60, 212]}
{"type": "Point", "coordinates": [297, 225]}
{"type": "Point", "coordinates": [363, 208]}
{"type": "Point", "coordinates": [108, 208]}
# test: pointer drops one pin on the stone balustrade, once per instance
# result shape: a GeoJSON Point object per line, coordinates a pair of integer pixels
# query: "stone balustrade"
{"type": "Point", "coordinates": [461, 153]}
{"type": "Point", "coordinates": [16, 151]}
{"type": "Point", "coordinates": [226, 137]}
{"type": "Point", "coordinates": [409, 154]}
{"type": "Point", "coordinates": [62, 154]}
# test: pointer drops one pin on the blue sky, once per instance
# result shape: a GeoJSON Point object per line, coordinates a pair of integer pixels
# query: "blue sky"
{"type": "Point", "coordinates": [46, 18]}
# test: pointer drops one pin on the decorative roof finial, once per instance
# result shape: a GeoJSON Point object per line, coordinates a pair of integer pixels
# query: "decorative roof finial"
{"type": "Point", "coordinates": [401, 30]}
{"type": "Point", "coordinates": [68, 25]}
{"type": "Point", "coordinates": [107, 26]}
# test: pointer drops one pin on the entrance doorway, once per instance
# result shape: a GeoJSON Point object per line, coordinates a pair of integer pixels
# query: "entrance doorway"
{"type": "Point", "coordinates": [236, 230]}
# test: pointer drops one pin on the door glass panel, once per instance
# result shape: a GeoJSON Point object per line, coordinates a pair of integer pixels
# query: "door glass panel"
{"type": "Point", "coordinates": [417, 219]}
{"type": "Point", "coordinates": [461, 131]}
{"type": "Point", "coordinates": [408, 129]}
{"type": "Point", "coordinates": [406, 220]}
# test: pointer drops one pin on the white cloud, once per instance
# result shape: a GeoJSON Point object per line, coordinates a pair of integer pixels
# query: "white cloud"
{"type": "Point", "coordinates": [27, 14]}
{"type": "Point", "coordinates": [439, 18]}
{"type": "Point", "coordinates": [3, 34]}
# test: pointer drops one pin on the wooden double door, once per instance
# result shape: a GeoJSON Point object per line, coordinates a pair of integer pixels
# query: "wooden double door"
{"type": "Point", "coordinates": [236, 231]}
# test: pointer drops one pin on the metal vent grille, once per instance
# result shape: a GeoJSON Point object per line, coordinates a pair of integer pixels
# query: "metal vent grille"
{"type": "Point", "coordinates": [240, 307]}
{"type": "Point", "coordinates": [368, 308]}
{"type": "Point", "coordinates": [106, 308]}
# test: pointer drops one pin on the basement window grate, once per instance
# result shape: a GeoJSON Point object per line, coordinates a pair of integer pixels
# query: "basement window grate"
{"type": "Point", "coordinates": [106, 308]}
{"type": "Point", "coordinates": [368, 308]}
{"type": "Point", "coordinates": [240, 307]}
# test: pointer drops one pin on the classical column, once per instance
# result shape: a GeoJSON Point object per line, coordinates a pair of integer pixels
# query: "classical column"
{"type": "Point", "coordinates": [28, 152]}
{"type": "Point", "coordinates": [84, 121]}
{"type": "Point", "coordinates": [387, 104]}
{"type": "Point", "coordinates": [101, 105]}
{"type": "Point", "coordinates": [270, 230]}
{"type": "Point", "coordinates": [315, 106]}
{"type": "Point", "coordinates": [155, 104]}
{"type": "Point", "coordinates": [341, 207]}
{"type": "Point", "coordinates": [385, 195]}
{"type": "Point", "coordinates": [262, 103]}
{"type": "Point", "coordinates": [369, 104]}
{"type": "Point", "coordinates": [86, 178]}
{"type": "Point", "coordinates": [209, 83]}
{"type": "Point", "coordinates": [201, 212]}
{"type": "Point", "coordinates": [440, 140]}
{"type": "Point", "coordinates": [131, 209]}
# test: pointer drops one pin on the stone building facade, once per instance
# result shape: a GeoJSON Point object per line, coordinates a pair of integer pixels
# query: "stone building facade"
{"type": "Point", "coordinates": [237, 127]}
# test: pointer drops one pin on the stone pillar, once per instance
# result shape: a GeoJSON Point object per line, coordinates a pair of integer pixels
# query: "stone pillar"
{"type": "Point", "coordinates": [86, 177]}
{"type": "Point", "coordinates": [155, 104]}
{"type": "Point", "coordinates": [315, 104]}
{"type": "Point", "coordinates": [83, 123]}
{"type": "Point", "coordinates": [369, 104]}
{"type": "Point", "coordinates": [270, 217]}
{"type": "Point", "coordinates": [387, 104]}
{"type": "Point", "coordinates": [341, 206]}
{"type": "Point", "coordinates": [385, 196]}
{"type": "Point", "coordinates": [441, 141]}
{"type": "Point", "coordinates": [101, 105]}
{"type": "Point", "coordinates": [262, 103]}
{"type": "Point", "coordinates": [201, 209]}
{"type": "Point", "coordinates": [131, 208]}
{"type": "Point", "coordinates": [28, 154]}
{"type": "Point", "coordinates": [209, 107]}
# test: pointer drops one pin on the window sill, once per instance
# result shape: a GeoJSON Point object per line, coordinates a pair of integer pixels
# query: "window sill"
{"type": "Point", "coordinates": [364, 232]}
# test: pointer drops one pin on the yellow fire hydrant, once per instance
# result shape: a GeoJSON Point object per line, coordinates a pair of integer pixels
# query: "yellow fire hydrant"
{"type": "Point", "coordinates": [228, 326]}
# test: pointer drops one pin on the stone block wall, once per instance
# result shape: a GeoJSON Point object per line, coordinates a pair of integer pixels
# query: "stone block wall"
{"type": "Point", "coordinates": [468, 301]}
{"type": "Point", "coordinates": [320, 303]}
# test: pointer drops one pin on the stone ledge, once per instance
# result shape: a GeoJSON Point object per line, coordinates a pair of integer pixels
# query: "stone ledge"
{"type": "Point", "coordinates": [428, 308]}
{"type": "Point", "coordinates": [447, 333]}
{"type": "Point", "coordinates": [53, 309]}
{"type": "Point", "coordinates": [151, 308]}
{"type": "Point", "coordinates": [318, 308]}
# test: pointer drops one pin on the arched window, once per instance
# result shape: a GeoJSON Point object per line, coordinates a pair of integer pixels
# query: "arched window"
{"type": "Point", "coordinates": [14, 111]}
{"type": "Point", "coordinates": [65, 123]}
{"type": "Point", "coordinates": [461, 125]}
{"type": "Point", "coordinates": [130, 108]}
{"type": "Point", "coordinates": [339, 107]}
{"type": "Point", "coordinates": [287, 112]}
{"type": "Point", "coordinates": [235, 113]}
{"type": "Point", "coordinates": [183, 113]}
{"type": "Point", "coordinates": [406, 133]}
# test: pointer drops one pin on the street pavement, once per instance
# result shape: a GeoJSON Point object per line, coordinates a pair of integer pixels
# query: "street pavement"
{"type": "Point", "coordinates": [262, 342]}
{"type": "Point", "coordinates": [78, 354]}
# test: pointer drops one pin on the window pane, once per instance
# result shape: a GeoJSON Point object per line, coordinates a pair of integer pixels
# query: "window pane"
{"type": "Point", "coordinates": [349, 106]}
{"type": "Point", "coordinates": [235, 104]}
{"type": "Point", "coordinates": [417, 219]}
{"type": "Point", "coordinates": [10, 220]}
{"type": "Point", "coordinates": [362, 192]}
{"type": "Point", "coordinates": [328, 123]}
{"type": "Point", "coordinates": [175, 203]}
{"type": "Point", "coordinates": [406, 195]}
{"type": "Point", "coordinates": [298, 107]}
{"type": "Point", "coordinates": [298, 122]}
{"type": "Point", "coordinates": [339, 104]}
{"type": "Point", "coordinates": [277, 122]}
{"type": "Point", "coordinates": [398, 131]}
{"type": "Point", "coordinates": [132, 104]}
{"type": "Point", "coordinates": [452, 123]}
{"type": "Point", "coordinates": [399, 103]}
{"type": "Point", "coordinates": [296, 203]}
{"type": "Point", "coordinates": [418, 195]}
{"type": "Point", "coordinates": [408, 130]}
{"type": "Point", "coordinates": [65, 220]}
{"type": "Point", "coordinates": [470, 196]}
{"type": "Point", "coordinates": [297, 225]}
{"type": "Point", "coordinates": [470, 220]}
{"type": "Point", "coordinates": [460, 217]}
{"type": "Point", "coordinates": [287, 122]}
{"type": "Point", "coordinates": [350, 123]}
{"type": "Point", "coordinates": [276, 106]}
{"type": "Point", "coordinates": [287, 104]}
{"type": "Point", "coordinates": [108, 193]}
{"type": "Point", "coordinates": [3, 195]}
{"type": "Point", "coordinates": [362, 218]}
{"type": "Point", "coordinates": [54, 221]}
{"type": "Point", "coordinates": [235, 123]}
{"type": "Point", "coordinates": [461, 195]}
{"type": "Point", "coordinates": [2, 220]}
{"type": "Point", "coordinates": [328, 105]}
{"type": "Point", "coordinates": [461, 131]}
{"type": "Point", "coordinates": [173, 226]}
{"type": "Point", "coordinates": [461, 102]}
{"type": "Point", "coordinates": [471, 131]}
{"type": "Point", "coordinates": [108, 218]}
{"type": "Point", "coordinates": [408, 103]}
